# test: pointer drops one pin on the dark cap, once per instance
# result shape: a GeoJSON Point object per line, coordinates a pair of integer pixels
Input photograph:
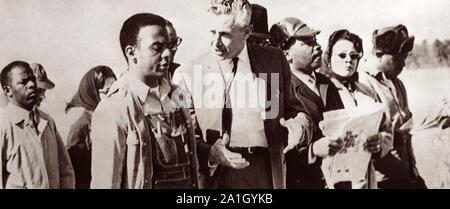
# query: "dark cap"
{"type": "Point", "coordinates": [42, 80]}
{"type": "Point", "coordinates": [291, 27]}
{"type": "Point", "coordinates": [393, 40]}
{"type": "Point", "coordinates": [259, 22]}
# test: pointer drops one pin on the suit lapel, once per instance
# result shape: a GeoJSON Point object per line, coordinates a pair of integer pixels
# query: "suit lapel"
{"type": "Point", "coordinates": [303, 89]}
{"type": "Point", "coordinates": [323, 89]}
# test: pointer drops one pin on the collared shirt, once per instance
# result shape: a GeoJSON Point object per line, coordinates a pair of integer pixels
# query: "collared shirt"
{"type": "Point", "coordinates": [120, 143]}
{"type": "Point", "coordinates": [247, 102]}
{"type": "Point", "coordinates": [33, 159]}
{"type": "Point", "coordinates": [309, 80]}
{"type": "Point", "coordinates": [153, 100]}
{"type": "Point", "coordinates": [388, 83]}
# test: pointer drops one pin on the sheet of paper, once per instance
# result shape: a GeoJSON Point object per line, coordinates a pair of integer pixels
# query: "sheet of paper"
{"type": "Point", "coordinates": [353, 126]}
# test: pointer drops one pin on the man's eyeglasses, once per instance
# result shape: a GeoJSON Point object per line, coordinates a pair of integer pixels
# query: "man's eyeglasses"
{"type": "Point", "coordinates": [173, 46]}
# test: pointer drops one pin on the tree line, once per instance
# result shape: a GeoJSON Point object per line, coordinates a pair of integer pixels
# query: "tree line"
{"type": "Point", "coordinates": [427, 55]}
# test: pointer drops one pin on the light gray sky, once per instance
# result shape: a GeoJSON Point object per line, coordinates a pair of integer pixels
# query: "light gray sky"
{"type": "Point", "coordinates": [70, 36]}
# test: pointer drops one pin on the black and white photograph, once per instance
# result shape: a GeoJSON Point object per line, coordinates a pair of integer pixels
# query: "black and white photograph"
{"type": "Point", "coordinates": [225, 94]}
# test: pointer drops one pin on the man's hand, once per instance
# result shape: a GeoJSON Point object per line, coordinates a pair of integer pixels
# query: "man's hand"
{"type": "Point", "coordinates": [373, 143]}
{"type": "Point", "coordinates": [326, 146]}
{"type": "Point", "coordinates": [220, 154]}
{"type": "Point", "coordinates": [295, 133]}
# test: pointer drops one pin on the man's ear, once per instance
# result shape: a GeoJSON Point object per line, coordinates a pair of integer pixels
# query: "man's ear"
{"type": "Point", "coordinates": [288, 56]}
{"type": "Point", "coordinates": [7, 91]}
{"type": "Point", "coordinates": [130, 52]}
{"type": "Point", "coordinates": [248, 31]}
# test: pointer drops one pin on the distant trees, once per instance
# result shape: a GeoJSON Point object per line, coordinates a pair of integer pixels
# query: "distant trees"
{"type": "Point", "coordinates": [428, 56]}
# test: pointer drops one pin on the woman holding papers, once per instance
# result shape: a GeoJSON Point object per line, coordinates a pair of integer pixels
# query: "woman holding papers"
{"type": "Point", "coordinates": [360, 127]}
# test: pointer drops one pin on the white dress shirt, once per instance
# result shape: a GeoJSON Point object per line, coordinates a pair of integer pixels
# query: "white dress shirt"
{"type": "Point", "coordinates": [309, 80]}
{"type": "Point", "coordinates": [248, 103]}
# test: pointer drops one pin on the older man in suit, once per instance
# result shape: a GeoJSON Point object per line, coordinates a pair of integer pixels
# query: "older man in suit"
{"type": "Point", "coordinates": [244, 104]}
{"type": "Point", "coordinates": [318, 94]}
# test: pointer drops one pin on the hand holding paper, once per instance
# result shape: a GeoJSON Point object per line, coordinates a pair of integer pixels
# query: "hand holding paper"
{"type": "Point", "coordinates": [326, 146]}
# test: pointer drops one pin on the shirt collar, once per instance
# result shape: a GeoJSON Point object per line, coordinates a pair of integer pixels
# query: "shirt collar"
{"type": "Point", "coordinates": [243, 56]}
{"type": "Point", "coordinates": [142, 90]}
{"type": "Point", "coordinates": [305, 77]}
{"type": "Point", "coordinates": [19, 114]}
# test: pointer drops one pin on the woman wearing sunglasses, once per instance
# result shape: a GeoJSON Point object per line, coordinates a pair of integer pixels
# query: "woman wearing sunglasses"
{"type": "Point", "coordinates": [340, 64]}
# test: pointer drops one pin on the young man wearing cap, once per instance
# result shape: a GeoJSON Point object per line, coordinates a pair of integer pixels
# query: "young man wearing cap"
{"type": "Point", "coordinates": [391, 48]}
{"type": "Point", "coordinates": [318, 94]}
{"type": "Point", "coordinates": [42, 82]}
{"type": "Point", "coordinates": [245, 144]}
{"type": "Point", "coordinates": [32, 154]}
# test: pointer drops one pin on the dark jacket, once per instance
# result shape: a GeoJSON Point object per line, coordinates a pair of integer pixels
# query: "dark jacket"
{"type": "Point", "coordinates": [398, 168]}
{"type": "Point", "coordinates": [301, 174]}
{"type": "Point", "coordinates": [265, 62]}
{"type": "Point", "coordinates": [79, 149]}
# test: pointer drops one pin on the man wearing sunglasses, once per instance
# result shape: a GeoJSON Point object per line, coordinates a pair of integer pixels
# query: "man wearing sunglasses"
{"type": "Point", "coordinates": [168, 65]}
{"type": "Point", "coordinates": [318, 94]}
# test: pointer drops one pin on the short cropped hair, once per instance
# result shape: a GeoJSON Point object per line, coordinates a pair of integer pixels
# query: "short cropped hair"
{"type": "Point", "coordinates": [131, 27]}
{"type": "Point", "coordinates": [241, 10]}
{"type": "Point", "coordinates": [5, 76]}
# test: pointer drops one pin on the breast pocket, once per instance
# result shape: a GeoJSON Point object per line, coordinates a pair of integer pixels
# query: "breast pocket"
{"type": "Point", "coordinates": [170, 137]}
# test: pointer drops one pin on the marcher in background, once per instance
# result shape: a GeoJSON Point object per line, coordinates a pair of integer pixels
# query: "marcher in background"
{"type": "Point", "coordinates": [32, 154]}
{"type": "Point", "coordinates": [140, 139]}
{"type": "Point", "coordinates": [168, 65]}
{"type": "Point", "coordinates": [42, 81]}
{"type": "Point", "coordinates": [341, 60]}
{"type": "Point", "coordinates": [391, 46]}
{"type": "Point", "coordinates": [93, 87]}
{"type": "Point", "coordinates": [315, 91]}
{"type": "Point", "coordinates": [260, 34]}
{"type": "Point", "coordinates": [245, 145]}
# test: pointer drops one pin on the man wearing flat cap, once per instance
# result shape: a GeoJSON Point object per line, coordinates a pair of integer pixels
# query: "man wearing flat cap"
{"type": "Point", "coordinates": [42, 82]}
{"type": "Point", "coordinates": [391, 46]}
{"type": "Point", "coordinates": [315, 91]}
{"type": "Point", "coordinates": [245, 144]}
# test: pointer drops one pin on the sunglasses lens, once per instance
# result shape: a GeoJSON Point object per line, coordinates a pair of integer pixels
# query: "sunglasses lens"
{"type": "Point", "coordinates": [354, 56]}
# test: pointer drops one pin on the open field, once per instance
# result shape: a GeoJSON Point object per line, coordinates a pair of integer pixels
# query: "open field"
{"type": "Point", "coordinates": [426, 88]}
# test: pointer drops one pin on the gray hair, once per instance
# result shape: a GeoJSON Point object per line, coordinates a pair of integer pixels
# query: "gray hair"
{"type": "Point", "coordinates": [241, 10]}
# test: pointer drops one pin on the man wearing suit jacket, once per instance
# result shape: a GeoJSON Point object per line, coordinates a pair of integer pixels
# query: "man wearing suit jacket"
{"type": "Point", "coordinates": [244, 142]}
{"type": "Point", "coordinates": [318, 94]}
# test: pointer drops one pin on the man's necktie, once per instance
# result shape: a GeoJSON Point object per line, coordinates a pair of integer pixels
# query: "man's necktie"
{"type": "Point", "coordinates": [227, 112]}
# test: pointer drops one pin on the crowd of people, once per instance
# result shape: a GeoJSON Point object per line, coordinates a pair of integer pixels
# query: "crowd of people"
{"type": "Point", "coordinates": [162, 125]}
